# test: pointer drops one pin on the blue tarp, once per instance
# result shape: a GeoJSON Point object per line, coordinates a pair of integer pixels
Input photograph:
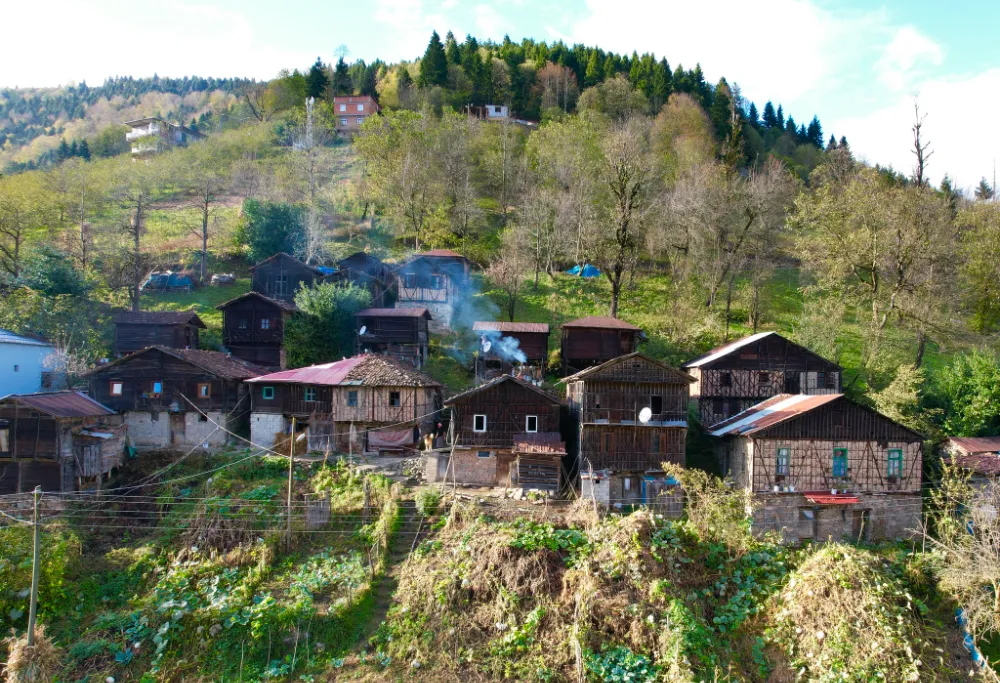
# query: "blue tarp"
{"type": "Point", "coordinates": [326, 270]}
{"type": "Point", "coordinates": [168, 280]}
{"type": "Point", "coordinates": [588, 271]}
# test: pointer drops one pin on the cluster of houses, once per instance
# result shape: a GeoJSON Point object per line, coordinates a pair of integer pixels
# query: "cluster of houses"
{"type": "Point", "coordinates": [818, 464]}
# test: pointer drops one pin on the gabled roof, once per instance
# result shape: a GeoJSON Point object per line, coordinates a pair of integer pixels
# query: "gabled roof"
{"type": "Point", "coordinates": [61, 404]}
{"type": "Point", "coordinates": [501, 326]}
{"type": "Point", "coordinates": [284, 305]}
{"type": "Point", "coordinates": [987, 464]}
{"type": "Point", "coordinates": [726, 349]}
{"type": "Point", "coordinates": [214, 362]}
{"type": "Point", "coordinates": [159, 318]}
{"type": "Point", "coordinates": [774, 410]}
{"type": "Point", "coordinates": [976, 444]}
{"type": "Point", "coordinates": [584, 374]}
{"type": "Point", "coordinates": [394, 313]}
{"type": "Point", "coordinates": [367, 369]}
{"type": "Point", "coordinates": [282, 254]}
{"type": "Point", "coordinates": [8, 337]}
{"type": "Point", "coordinates": [602, 322]}
{"type": "Point", "coordinates": [496, 381]}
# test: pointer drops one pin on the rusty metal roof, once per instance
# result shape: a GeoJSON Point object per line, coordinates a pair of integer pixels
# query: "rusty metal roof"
{"type": "Point", "coordinates": [393, 313]}
{"type": "Point", "coordinates": [159, 318]}
{"type": "Point", "coordinates": [282, 254]}
{"type": "Point", "coordinates": [587, 372]}
{"type": "Point", "coordinates": [602, 322]}
{"type": "Point", "coordinates": [441, 253]}
{"type": "Point", "coordinates": [368, 369]}
{"type": "Point", "coordinates": [215, 362]}
{"type": "Point", "coordinates": [773, 411]}
{"type": "Point", "coordinates": [547, 443]}
{"type": "Point", "coordinates": [61, 404]}
{"type": "Point", "coordinates": [971, 445]}
{"type": "Point", "coordinates": [501, 326]}
{"type": "Point", "coordinates": [827, 498]}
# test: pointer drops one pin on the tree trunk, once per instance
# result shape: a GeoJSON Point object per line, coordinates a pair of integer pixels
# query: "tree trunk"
{"type": "Point", "coordinates": [137, 256]}
{"type": "Point", "coordinates": [921, 348]}
{"type": "Point", "coordinates": [204, 241]}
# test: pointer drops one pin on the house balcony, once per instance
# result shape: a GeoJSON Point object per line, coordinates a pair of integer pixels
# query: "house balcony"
{"type": "Point", "coordinates": [137, 133]}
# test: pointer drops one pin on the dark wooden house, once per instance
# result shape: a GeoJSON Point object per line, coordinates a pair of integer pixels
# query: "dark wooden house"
{"type": "Point", "coordinates": [56, 440]}
{"type": "Point", "coordinates": [823, 466]}
{"type": "Point", "coordinates": [505, 348]}
{"type": "Point", "coordinates": [631, 416]}
{"type": "Point", "coordinates": [281, 275]}
{"type": "Point", "coordinates": [365, 270]}
{"type": "Point", "coordinates": [738, 375]}
{"type": "Point", "coordinates": [135, 330]}
{"type": "Point", "coordinates": [398, 332]}
{"type": "Point", "coordinates": [506, 433]}
{"type": "Point", "coordinates": [253, 328]}
{"type": "Point", "coordinates": [436, 280]}
{"type": "Point", "coordinates": [591, 341]}
{"type": "Point", "coordinates": [366, 403]}
{"type": "Point", "coordinates": [176, 397]}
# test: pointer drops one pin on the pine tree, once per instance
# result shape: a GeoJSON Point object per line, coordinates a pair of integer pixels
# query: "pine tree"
{"type": "Point", "coordinates": [815, 132]}
{"type": "Point", "coordinates": [781, 117]}
{"type": "Point", "coordinates": [720, 113]}
{"type": "Point", "coordinates": [74, 149]}
{"type": "Point", "coordinates": [592, 76]}
{"type": "Point", "coordinates": [983, 191]}
{"type": "Point", "coordinates": [832, 144]}
{"type": "Point", "coordinates": [63, 149]}
{"type": "Point", "coordinates": [770, 118]}
{"type": "Point", "coordinates": [343, 84]}
{"type": "Point", "coordinates": [843, 143]}
{"type": "Point", "coordinates": [790, 126]}
{"type": "Point", "coordinates": [451, 50]}
{"type": "Point", "coordinates": [84, 150]}
{"type": "Point", "coordinates": [801, 136]}
{"type": "Point", "coordinates": [317, 80]}
{"type": "Point", "coordinates": [434, 64]}
{"type": "Point", "coordinates": [661, 83]}
{"type": "Point", "coordinates": [753, 117]}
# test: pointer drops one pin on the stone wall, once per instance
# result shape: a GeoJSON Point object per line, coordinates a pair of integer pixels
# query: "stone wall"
{"type": "Point", "coordinates": [145, 432]}
{"type": "Point", "coordinates": [875, 517]}
{"type": "Point", "coordinates": [469, 468]}
{"type": "Point", "coordinates": [197, 432]}
{"type": "Point", "coordinates": [263, 427]}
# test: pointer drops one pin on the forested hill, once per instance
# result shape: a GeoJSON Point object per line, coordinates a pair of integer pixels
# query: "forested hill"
{"type": "Point", "coordinates": [33, 121]}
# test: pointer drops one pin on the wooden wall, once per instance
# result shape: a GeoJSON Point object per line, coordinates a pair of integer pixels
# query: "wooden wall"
{"type": "Point", "coordinates": [130, 337]}
{"type": "Point", "coordinates": [630, 448]}
{"type": "Point", "coordinates": [32, 455]}
{"type": "Point", "coordinates": [281, 277]}
{"type": "Point", "coordinates": [506, 406]}
{"type": "Point", "coordinates": [583, 347]}
{"type": "Point", "coordinates": [373, 403]}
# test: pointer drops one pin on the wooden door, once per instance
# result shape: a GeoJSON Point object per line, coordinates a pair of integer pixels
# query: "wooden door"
{"type": "Point", "coordinates": [177, 428]}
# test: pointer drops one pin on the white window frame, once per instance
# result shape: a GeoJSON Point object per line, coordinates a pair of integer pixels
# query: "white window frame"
{"type": "Point", "coordinates": [475, 419]}
{"type": "Point", "coordinates": [343, 120]}
{"type": "Point", "coordinates": [121, 388]}
{"type": "Point", "coordinates": [361, 107]}
{"type": "Point", "coordinates": [359, 120]}
{"type": "Point", "coordinates": [343, 107]}
{"type": "Point", "coordinates": [527, 424]}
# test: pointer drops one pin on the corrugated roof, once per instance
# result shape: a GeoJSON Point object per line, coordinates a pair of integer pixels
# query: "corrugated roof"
{"type": "Point", "coordinates": [726, 349]}
{"type": "Point", "coordinates": [583, 374]}
{"type": "Point", "coordinates": [773, 411]}
{"type": "Point", "coordinates": [215, 362]}
{"type": "Point", "coordinates": [602, 322]}
{"type": "Point", "coordinates": [62, 404]}
{"type": "Point", "coordinates": [980, 463]}
{"type": "Point", "coordinates": [8, 337]}
{"type": "Point", "coordinates": [367, 369]}
{"type": "Point", "coordinates": [548, 443]}
{"type": "Point", "coordinates": [501, 326]}
{"type": "Point", "coordinates": [976, 444]}
{"type": "Point", "coordinates": [284, 305]}
{"type": "Point", "coordinates": [500, 380]}
{"type": "Point", "coordinates": [159, 318]}
{"type": "Point", "coordinates": [281, 254]}
{"type": "Point", "coordinates": [394, 313]}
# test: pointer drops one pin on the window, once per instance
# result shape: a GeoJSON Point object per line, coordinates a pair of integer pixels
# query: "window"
{"type": "Point", "coordinates": [531, 423]}
{"type": "Point", "coordinates": [895, 470]}
{"type": "Point", "coordinates": [157, 389]}
{"type": "Point", "coordinates": [656, 404]}
{"type": "Point", "coordinates": [718, 406]}
{"type": "Point", "coordinates": [437, 282]}
{"type": "Point", "coordinates": [840, 462]}
{"type": "Point", "coordinates": [361, 107]}
{"type": "Point", "coordinates": [727, 379]}
{"type": "Point", "coordinates": [202, 417]}
{"type": "Point", "coordinates": [359, 120]}
{"type": "Point", "coordinates": [831, 380]}
{"type": "Point", "coordinates": [343, 120]}
{"type": "Point", "coordinates": [607, 442]}
{"type": "Point", "coordinates": [394, 399]}
{"type": "Point", "coordinates": [244, 323]}
{"type": "Point", "coordinates": [265, 323]}
{"type": "Point", "coordinates": [281, 285]}
{"type": "Point", "coordinates": [410, 281]}
{"type": "Point", "coordinates": [483, 454]}
{"type": "Point", "coordinates": [628, 483]}
{"type": "Point", "coordinates": [4, 440]}
{"type": "Point", "coordinates": [656, 442]}
{"type": "Point", "coordinates": [343, 107]}
{"type": "Point", "coordinates": [820, 380]}
{"type": "Point", "coordinates": [117, 388]}
{"type": "Point", "coordinates": [764, 378]}
{"type": "Point", "coordinates": [204, 390]}
{"type": "Point", "coordinates": [479, 423]}
{"type": "Point", "coordinates": [267, 393]}
{"type": "Point", "coordinates": [352, 399]}
{"type": "Point", "coordinates": [309, 394]}
{"type": "Point", "coordinates": [784, 462]}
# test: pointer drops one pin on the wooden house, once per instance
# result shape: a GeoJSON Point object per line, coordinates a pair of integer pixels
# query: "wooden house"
{"type": "Point", "coordinates": [176, 397]}
{"type": "Point", "coordinates": [823, 466]}
{"type": "Point", "coordinates": [979, 455]}
{"type": "Point", "coordinates": [364, 270]}
{"type": "Point", "coordinates": [281, 275]}
{"type": "Point", "coordinates": [437, 280]}
{"type": "Point", "coordinates": [591, 341]}
{"type": "Point", "coordinates": [401, 333]}
{"type": "Point", "coordinates": [57, 440]}
{"type": "Point", "coordinates": [506, 433]}
{"type": "Point", "coordinates": [135, 330]}
{"type": "Point", "coordinates": [631, 416]}
{"type": "Point", "coordinates": [366, 403]}
{"type": "Point", "coordinates": [253, 328]}
{"type": "Point", "coordinates": [507, 348]}
{"type": "Point", "coordinates": [738, 375]}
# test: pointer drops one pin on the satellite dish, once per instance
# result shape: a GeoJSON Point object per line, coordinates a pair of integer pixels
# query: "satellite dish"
{"type": "Point", "coordinates": [487, 346]}
{"type": "Point", "coordinates": [645, 414]}
{"type": "Point", "coordinates": [364, 328]}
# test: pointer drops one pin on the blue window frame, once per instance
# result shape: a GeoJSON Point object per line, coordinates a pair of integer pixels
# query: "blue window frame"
{"type": "Point", "coordinates": [895, 468]}
{"type": "Point", "coordinates": [840, 462]}
{"type": "Point", "coordinates": [267, 393]}
{"type": "Point", "coordinates": [784, 462]}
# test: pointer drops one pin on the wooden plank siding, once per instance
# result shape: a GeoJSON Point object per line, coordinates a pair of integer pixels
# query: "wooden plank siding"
{"type": "Point", "coordinates": [506, 405]}
{"type": "Point", "coordinates": [585, 347]}
{"type": "Point", "coordinates": [281, 276]}
{"type": "Point", "coordinates": [631, 447]}
{"type": "Point", "coordinates": [130, 337]}
{"type": "Point", "coordinates": [373, 404]}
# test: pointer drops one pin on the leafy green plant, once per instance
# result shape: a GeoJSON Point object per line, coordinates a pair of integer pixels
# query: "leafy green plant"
{"type": "Point", "coordinates": [428, 501]}
{"type": "Point", "coordinates": [620, 665]}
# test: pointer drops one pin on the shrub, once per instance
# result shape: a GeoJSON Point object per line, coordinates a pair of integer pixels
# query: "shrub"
{"type": "Point", "coordinates": [428, 501]}
{"type": "Point", "coordinates": [620, 665]}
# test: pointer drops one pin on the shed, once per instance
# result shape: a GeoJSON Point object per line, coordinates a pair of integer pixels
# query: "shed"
{"type": "Point", "coordinates": [594, 340]}
{"type": "Point", "coordinates": [281, 275]}
{"type": "Point", "coordinates": [135, 330]}
{"type": "Point", "coordinates": [253, 328]}
{"type": "Point", "coordinates": [398, 332]}
{"type": "Point", "coordinates": [514, 348]}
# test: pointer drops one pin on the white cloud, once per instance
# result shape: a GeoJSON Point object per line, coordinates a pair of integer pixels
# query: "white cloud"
{"type": "Point", "coordinates": [489, 23]}
{"type": "Point", "coordinates": [966, 153]}
{"type": "Point", "coordinates": [904, 56]}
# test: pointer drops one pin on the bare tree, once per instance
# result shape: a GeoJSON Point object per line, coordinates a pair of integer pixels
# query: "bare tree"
{"type": "Point", "coordinates": [134, 187]}
{"type": "Point", "coordinates": [507, 272]}
{"type": "Point", "coordinates": [921, 148]}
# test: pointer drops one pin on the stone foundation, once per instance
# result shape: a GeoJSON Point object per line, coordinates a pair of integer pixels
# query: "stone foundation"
{"type": "Point", "coordinates": [616, 490]}
{"type": "Point", "coordinates": [146, 432]}
{"type": "Point", "coordinates": [263, 427]}
{"type": "Point", "coordinates": [147, 429]}
{"type": "Point", "coordinates": [875, 517]}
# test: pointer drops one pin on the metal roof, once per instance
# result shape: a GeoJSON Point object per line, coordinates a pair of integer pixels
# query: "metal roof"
{"type": "Point", "coordinates": [281, 254]}
{"type": "Point", "coordinates": [976, 444]}
{"type": "Point", "coordinates": [501, 326]}
{"type": "Point", "coordinates": [215, 362]}
{"type": "Point", "coordinates": [583, 374]}
{"type": "Point", "coordinates": [980, 463]}
{"type": "Point", "coordinates": [8, 337]}
{"type": "Point", "coordinates": [159, 318]}
{"type": "Point", "coordinates": [773, 411]}
{"type": "Point", "coordinates": [61, 404]}
{"type": "Point", "coordinates": [368, 369]}
{"type": "Point", "coordinates": [394, 313]}
{"type": "Point", "coordinates": [827, 498]}
{"type": "Point", "coordinates": [603, 322]}
{"type": "Point", "coordinates": [443, 253]}
{"type": "Point", "coordinates": [726, 349]}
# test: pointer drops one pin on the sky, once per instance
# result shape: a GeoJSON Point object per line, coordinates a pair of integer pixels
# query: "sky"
{"type": "Point", "coordinates": [859, 66]}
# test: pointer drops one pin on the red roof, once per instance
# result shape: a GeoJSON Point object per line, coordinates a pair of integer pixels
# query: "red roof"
{"type": "Point", "coordinates": [62, 404]}
{"type": "Point", "coordinates": [602, 322]}
{"type": "Point", "coordinates": [368, 369]}
{"type": "Point", "coordinates": [393, 313]}
{"type": "Point", "coordinates": [975, 444]}
{"type": "Point", "coordinates": [826, 498]}
{"type": "Point", "coordinates": [500, 326]}
{"type": "Point", "coordinates": [768, 413]}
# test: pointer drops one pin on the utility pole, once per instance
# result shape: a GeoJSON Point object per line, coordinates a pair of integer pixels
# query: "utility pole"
{"type": "Point", "coordinates": [33, 608]}
{"type": "Point", "coordinates": [291, 464]}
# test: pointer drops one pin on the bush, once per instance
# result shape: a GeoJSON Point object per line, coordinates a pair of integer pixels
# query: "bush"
{"type": "Point", "coordinates": [428, 501]}
{"type": "Point", "coordinates": [270, 227]}
{"type": "Point", "coordinates": [323, 331]}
